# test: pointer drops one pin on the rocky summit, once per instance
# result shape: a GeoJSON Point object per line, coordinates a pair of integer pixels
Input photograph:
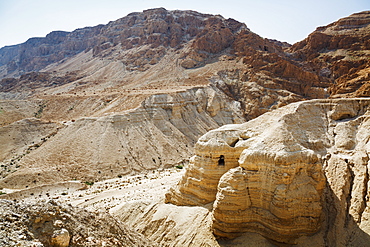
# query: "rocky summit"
{"type": "Point", "coordinates": [191, 129]}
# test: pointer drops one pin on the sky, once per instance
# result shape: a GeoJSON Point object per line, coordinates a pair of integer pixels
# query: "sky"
{"type": "Point", "coordinates": [284, 20]}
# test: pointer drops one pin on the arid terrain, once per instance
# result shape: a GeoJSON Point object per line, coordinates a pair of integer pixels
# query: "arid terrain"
{"type": "Point", "coordinates": [176, 128]}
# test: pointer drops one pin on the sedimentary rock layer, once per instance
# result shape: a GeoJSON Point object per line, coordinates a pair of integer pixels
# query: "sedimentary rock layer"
{"type": "Point", "coordinates": [285, 174]}
{"type": "Point", "coordinates": [160, 133]}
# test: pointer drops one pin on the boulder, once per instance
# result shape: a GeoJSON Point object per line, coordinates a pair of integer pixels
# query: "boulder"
{"type": "Point", "coordinates": [60, 238]}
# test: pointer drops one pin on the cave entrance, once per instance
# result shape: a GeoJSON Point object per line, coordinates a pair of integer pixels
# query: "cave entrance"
{"type": "Point", "coordinates": [221, 160]}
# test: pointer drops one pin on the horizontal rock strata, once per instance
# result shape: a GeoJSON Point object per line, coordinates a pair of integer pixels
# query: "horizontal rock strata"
{"type": "Point", "coordinates": [285, 174]}
{"type": "Point", "coordinates": [159, 133]}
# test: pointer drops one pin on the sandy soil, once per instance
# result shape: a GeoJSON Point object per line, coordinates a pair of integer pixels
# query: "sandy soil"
{"type": "Point", "coordinates": [106, 195]}
{"type": "Point", "coordinates": [110, 193]}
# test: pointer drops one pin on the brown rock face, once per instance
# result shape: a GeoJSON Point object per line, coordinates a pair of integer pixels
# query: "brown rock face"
{"type": "Point", "coordinates": [153, 30]}
{"type": "Point", "coordinates": [296, 171]}
{"type": "Point", "coordinates": [35, 80]}
{"type": "Point", "coordinates": [340, 52]}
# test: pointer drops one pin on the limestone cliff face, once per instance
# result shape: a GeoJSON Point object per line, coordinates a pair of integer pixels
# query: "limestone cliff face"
{"type": "Point", "coordinates": [37, 53]}
{"type": "Point", "coordinates": [296, 171]}
{"type": "Point", "coordinates": [140, 41]}
{"type": "Point", "coordinates": [154, 31]}
{"type": "Point", "coordinates": [158, 134]}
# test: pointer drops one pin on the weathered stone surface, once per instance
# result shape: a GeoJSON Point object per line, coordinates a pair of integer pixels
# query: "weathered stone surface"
{"type": "Point", "coordinates": [169, 225]}
{"type": "Point", "coordinates": [340, 53]}
{"type": "Point", "coordinates": [295, 171]}
{"type": "Point", "coordinates": [60, 238]}
{"type": "Point", "coordinates": [154, 30]}
{"type": "Point", "coordinates": [199, 184]}
{"type": "Point", "coordinates": [158, 134]}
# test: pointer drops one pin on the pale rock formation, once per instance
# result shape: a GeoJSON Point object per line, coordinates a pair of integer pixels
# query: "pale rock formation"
{"type": "Point", "coordinates": [169, 225]}
{"type": "Point", "coordinates": [296, 171]}
{"type": "Point", "coordinates": [158, 134]}
{"type": "Point", "coordinates": [199, 184]}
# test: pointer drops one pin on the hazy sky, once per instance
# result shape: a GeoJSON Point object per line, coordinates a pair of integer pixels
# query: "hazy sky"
{"type": "Point", "coordinates": [284, 20]}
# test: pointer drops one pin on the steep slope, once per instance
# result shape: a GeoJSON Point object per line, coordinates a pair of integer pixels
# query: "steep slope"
{"type": "Point", "coordinates": [296, 171]}
{"type": "Point", "coordinates": [152, 81]}
{"type": "Point", "coordinates": [136, 94]}
{"type": "Point", "coordinates": [340, 52]}
{"type": "Point", "coordinates": [153, 31]}
{"type": "Point", "coordinates": [160, 133]}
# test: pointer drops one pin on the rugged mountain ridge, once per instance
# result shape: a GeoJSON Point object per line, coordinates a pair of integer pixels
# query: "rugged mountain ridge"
{"type": "Point", "coordinates": [339, 52]}
{"type": "Point", "coordinates": [157, 28]}
{"type": "Point", "coordinates": [145, 56]}
{"type": "Point", "coordinates": [233, 73]}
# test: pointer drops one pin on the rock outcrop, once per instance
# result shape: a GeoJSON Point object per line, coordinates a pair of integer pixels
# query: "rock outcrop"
{"type": "Point", "coordinates": [154, 30]}
{"type": "Point", "coordinates": [340, 53]}
{"type": "Point", "coordinates": [296, 171]}
{"type": "Point", "coordinates": [169, 225]}
{"type": "Point", "coordinates": [47, 223]}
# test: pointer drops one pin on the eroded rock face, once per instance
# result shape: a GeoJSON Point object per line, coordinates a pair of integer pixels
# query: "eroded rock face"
{"type": "Point", "coordinates": [158, 134]}
{"type": "Point", "coordinates": [279, 197]}
{"type": "Point", "coordinates": [299, 170]}
{"type": "Point", "coordinates": [340, 53]}
{"type": "Point", "coordinates": [213, 157]}
{"type": "Point", "coordinates": [155, 30]}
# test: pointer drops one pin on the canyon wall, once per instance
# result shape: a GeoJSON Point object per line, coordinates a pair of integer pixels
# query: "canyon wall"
{"type": "Point", "coordinates": [297, 171]}
{"type": "Point", "coordinates": [159, 133]}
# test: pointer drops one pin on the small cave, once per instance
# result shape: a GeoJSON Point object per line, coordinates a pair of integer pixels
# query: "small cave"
{"type": "Point", "coordinates": [233, 143]}
{"type": "Point", "coordinates": [221, 160]}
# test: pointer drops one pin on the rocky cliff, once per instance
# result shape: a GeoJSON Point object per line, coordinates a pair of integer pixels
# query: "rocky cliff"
{"type": "Point", "coordinates": [340, 52]}
{"type": "Point", "coordinates": [155, 76]}
{"type": "Point", "coordinates": [153, 30]}
{"type": "Point", "coordinates": [296, 171]}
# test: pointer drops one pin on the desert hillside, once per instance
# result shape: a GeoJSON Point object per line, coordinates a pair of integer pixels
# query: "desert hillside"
{"type": "Point", "coordinates": [272, 136]}
{"type": "Point", "coordinates": [155, 81]}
